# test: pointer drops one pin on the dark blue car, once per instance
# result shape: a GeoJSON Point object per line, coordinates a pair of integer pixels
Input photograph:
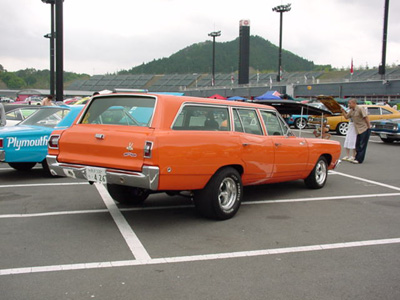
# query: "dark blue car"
{"type": "Point", "coordinates": [388, 130]}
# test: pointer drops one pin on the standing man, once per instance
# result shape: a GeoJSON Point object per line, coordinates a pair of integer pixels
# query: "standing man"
{"type": "Point", "coordinates": [362, 126]}
{"type": "Point", "coordinates": [3, 120]}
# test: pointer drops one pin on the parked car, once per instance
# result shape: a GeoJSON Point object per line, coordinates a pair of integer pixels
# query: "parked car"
{"type": "Point", "coordinates": [339, 123]}
{"type": "Point", "coordinates": [17, 115]}
{"type": "Point", "coordinates": [24, 145]}
{"type": "Point", "coordinates": [6, 100]}
{"type": "Point", "coordinates": [387, 130]}
{"type": "Point", "coordinates": [298, 121]}
{"type": "Point", "coordinates": [294, 112]}
{"type": "Point", "coordinates": [82, 101]}
{"type": "Point", "coordinates": [138, 144]}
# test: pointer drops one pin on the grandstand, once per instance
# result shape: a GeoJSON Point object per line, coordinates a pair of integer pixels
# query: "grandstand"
{"type": "Point", "coordinates": [183, 82]}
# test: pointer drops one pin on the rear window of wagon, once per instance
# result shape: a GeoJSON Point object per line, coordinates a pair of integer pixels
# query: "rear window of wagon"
{"type": "Point", "coordinates": [130, 111]}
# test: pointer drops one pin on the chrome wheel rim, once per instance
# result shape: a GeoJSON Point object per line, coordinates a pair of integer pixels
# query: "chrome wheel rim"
{"type": "Point", "coordinates": [227, 193]}
{"type": "Point", "coordinates": [301, 124]}
{"type": "Point", "coordinates": [343, 128]}
{"type": "Point", "coordinates": [320, 172]}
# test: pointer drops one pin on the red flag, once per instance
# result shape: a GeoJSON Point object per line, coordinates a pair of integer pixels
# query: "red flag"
{"type": "Point", "coordinates": [351, 67]}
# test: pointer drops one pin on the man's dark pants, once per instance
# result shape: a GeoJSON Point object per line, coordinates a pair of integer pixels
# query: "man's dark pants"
{"type": "Point", "coordinates": [361, 145]}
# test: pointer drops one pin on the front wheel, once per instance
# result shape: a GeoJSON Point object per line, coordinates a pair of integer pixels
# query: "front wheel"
{"type": "Point", "coordinates": [318, 175]}
{"type": "Point", "coordinates": [22, 166]}
{"type": "Point", "coordinates": [342, 128]}
{"type": "Point", "coordinates": [127, 194]}
{"type": "Point", "coordinates": [222, 196]}
{"type": "Point", "coordinates": [387, 141]}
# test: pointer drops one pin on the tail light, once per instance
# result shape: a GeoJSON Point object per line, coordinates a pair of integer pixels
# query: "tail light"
{"type": "Point", "coordinates": [148, 147]}
{"type": "Point", "coordinates": [53, 141]}
{"type": "Point", "coordinates": [1, 143]}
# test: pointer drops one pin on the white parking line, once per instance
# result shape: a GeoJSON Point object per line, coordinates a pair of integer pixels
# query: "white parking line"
{"type": "Point", "coordinates": [369, 181]}
{"type": "Point", "coordinates": [143, 258]}
{"type": "Point", "coordinates": [134, 244]}
{"type": "Point", "coordinates": [41, 184]}
{"type": "Point", "coordinates": [149, 208]}
{"type": "Point", "coordinates": [179, 259]}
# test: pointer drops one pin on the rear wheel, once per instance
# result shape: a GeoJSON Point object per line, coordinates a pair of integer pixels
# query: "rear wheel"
{"type": "Point", "coordinates": [300, 123]}
{"type": "Point", "coordinates": [318, 175]}
{"type": "Point", "coordinates": [222, 196]}
{"type": "Point", "coordinates": [127, 194]}
{"type": "Point", "coordinates": [22, 166]}
{"type": "Point", "coordinates": [342, 128]}
{"type": "Point", "coordinates": [46, 169]}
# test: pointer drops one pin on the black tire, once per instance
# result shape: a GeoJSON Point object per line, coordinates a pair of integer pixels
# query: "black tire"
{"type": "Point", "coordinates": [222, 196]}
{"type": "Point", "coordinates": [318, 175]}
{"type": "Point", "coordinates": [127, 194]}
{"type": "Point", "coordinates": [46, 169]}
{"type": "Point", "coordinates": [22, 166]}
{"type": "Point", "coordinates": [387, 141]}
{"type": "Point", "coordinates": [300, 123]}
{"type": "Point", "coordinates": [342, 128]}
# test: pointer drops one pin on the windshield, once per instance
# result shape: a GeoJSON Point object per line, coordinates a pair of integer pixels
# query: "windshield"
{"type": "Point", "coordinates": [131, 111]}
{"type": "Point", "coordinates": [46, 117]}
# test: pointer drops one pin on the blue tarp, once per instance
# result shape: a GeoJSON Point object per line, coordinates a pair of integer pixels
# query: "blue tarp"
{"type": "Point", "coordinates": [270, 95]}
{"type": "Point", "coordinates": [236, 98]}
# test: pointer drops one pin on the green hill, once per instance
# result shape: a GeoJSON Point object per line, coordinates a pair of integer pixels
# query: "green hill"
{"type": "Point", "coordinates": [197, 58]}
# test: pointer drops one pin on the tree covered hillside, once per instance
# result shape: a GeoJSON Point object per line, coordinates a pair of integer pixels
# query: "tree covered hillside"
{"type": "Point", "coordinates": [197, 58]}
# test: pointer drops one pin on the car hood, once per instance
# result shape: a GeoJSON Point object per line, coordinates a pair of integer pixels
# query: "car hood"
{"type": "Point", "coordinates": [290, 107]}
{"type": "Point", "coordinates": [330, 103]}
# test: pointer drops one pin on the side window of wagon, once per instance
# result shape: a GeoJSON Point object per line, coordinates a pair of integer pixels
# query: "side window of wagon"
{"type": "Point", "coordinates": [272, 123]}
{"type": "Point", "coordinates": [249, 121]}
{"type": "Point", "coordinates": [198, 117]}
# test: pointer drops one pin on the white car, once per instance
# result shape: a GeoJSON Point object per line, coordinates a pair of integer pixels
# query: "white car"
{"type": "Point", "coordinates": [17, 115]}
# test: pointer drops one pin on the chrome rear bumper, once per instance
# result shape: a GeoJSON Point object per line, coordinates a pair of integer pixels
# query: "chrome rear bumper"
{"type": "Point", "coordinates": [147, 179]}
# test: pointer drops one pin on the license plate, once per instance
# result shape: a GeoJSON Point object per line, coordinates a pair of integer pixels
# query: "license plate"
{"type": "Point", "coordinates": [96, 175]}
{"type": "Point", "coordinates": [383, 135]}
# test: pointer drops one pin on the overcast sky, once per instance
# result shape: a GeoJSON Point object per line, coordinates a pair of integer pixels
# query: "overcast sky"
{"type": "Point", "coordinates": [107, 36]}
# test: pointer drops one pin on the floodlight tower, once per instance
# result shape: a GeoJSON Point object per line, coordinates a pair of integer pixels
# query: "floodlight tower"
{"type": "Point", "coordinates": [51, 36]}
{"type": "Point", "coordinates": [59, 60]}
{"type": "Point", "coordinates": [214, 34]}
{"type": "Point", "coordinates": [382, 67]}
{"type": "Point", "coordinates": [280, 9]}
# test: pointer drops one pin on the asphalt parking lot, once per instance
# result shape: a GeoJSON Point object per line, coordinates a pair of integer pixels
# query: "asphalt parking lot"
{"type": "Point", "coordinates": [66, 239]}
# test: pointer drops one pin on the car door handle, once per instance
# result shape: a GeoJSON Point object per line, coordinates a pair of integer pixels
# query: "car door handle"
{"type": "Point", "coordinates": [278, 144]}
{"type": "Point", "coordinates": [302, 143]}
{"type": "Point", "coordinates": [245, 144]}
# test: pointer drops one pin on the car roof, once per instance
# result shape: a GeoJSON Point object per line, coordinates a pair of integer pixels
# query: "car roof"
{"type": "Point", "coordinates": [186, 99]}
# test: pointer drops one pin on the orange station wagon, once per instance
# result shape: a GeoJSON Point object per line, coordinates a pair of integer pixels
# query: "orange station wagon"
{"type": "Point", "coordinates": [138, 144]}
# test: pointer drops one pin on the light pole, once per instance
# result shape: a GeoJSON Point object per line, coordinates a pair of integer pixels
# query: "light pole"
{"type": "Point", "coordinates": [280, 9]}
{"type": "Point", "coordinates": [51, 36]}
{"type": "Point", "coordinates": [382, 67]}
{"type": "Point", "coordinates": [214, 34]}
